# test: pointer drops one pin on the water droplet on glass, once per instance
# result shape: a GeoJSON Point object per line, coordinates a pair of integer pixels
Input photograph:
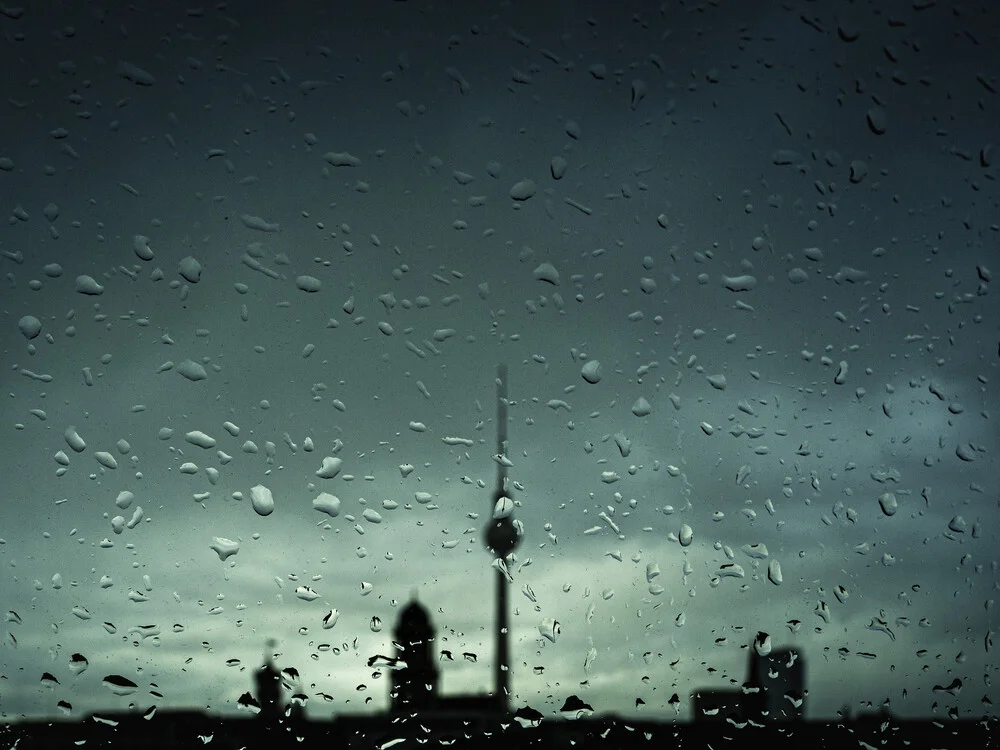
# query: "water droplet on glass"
{"type": "Point", "coordinates": [550, 629]}
{"type": "Point", "coordinates": [224, 548]}
{"type": "Point", "coordinates": [190, 269]}
{"type": "Point", "coordinates": [74, 440]}
{"type": "Point", "coordinates": [330, 468]}
{"type": "Point", "coordinates": [686, 535]}
{"type": "Point", "coordinates": [308, 284]}
{"type": "Point", "coordinates": [29, 326]}
{"type": "Point", "coordinates": [717, 381]}
{"type": "Point", "coordinates": [88, 285]}
{"type": "Point", "coordinates": [641, 407]}
{"type": "Point", "coordinates": [774, 572]}
{"type": "Point", "coordinates": [591, 371]}
{"type": "Point", "coordinates": [200, 439]}
{"type": "Point", "coordinates": [652, 571]}
{"type": "Point", "coordinates": [306, 594]}
{"type": "Point", "coordinates": [78, 664]}
{"type": "Point", "coordinates": [119, 685]}
{"type": "Point", "coordinates": [262, 500]}
{"type": "Point", "coordinates": [887, 502]}
{"type": "Point", "coordinates": [762, 643]}
{"type": "Point", "coordinates": [106, 460]}
{"type": "Point", "coordinates": [548, 273]}
{"type": "Point", "coordinates": [523, 190]}
{"type": "Point", "coordinates": [503, 508]}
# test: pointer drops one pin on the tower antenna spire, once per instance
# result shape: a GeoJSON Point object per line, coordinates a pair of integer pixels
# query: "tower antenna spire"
{"type": "Point", "coordinates": [501, 430]}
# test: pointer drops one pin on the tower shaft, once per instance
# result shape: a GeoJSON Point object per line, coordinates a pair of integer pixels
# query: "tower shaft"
{"type": "Point", "coordinates": [501, 665]}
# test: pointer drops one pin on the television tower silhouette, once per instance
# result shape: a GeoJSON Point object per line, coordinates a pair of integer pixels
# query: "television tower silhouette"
{"type": "Point", "coordinates": [501, 537]}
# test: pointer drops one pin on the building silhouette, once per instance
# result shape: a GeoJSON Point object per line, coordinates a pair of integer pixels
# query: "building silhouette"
{"type": "Point", "coordinates": [767, 710]}
{"type": "Point", "coordinates": [415, 680]}
{"type": "Point", "coordinates": [414, 687]}
{"type": "Point", "coordinates": [774, 692]}
{"type": "Point", "coordinates": [267, 683]}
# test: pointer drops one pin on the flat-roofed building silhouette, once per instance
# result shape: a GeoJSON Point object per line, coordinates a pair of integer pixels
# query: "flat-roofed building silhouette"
{"type": "Point", "coordinates": [779, 681]}
{"type": "Point", "coordinates": [774, 691]}
{"type": "Point", "coordinates": [718, 705]}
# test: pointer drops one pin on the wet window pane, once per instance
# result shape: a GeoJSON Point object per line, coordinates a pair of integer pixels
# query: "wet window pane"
{"type": "Point", "coordinates": [456, 371]}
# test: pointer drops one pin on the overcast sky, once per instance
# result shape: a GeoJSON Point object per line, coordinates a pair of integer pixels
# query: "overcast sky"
{"type": "Point", "coordinates": [241, 242]}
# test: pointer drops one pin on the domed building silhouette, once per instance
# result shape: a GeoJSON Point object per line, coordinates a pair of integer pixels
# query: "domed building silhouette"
{"type": "Point", "coordinates": [415, 680]}
{"type": "Point", "coordinates": [415, 686]}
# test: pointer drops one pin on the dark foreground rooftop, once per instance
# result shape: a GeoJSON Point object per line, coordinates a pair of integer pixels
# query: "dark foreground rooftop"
{"type": "Point", "coordinates": [187, 729]}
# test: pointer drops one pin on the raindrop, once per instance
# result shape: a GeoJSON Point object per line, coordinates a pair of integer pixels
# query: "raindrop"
{"type": "Point", "coordinates": [717, 381]}
{"type": "Point", "coordinates": [591, 371]}
{"type": "Point", "coordinates": [192, 370]}
{"type": "Point", "coordinates": [106, 460]}
{"type": "Point", "coordinates": [744, 283]}
{"type": "Point", "coordinates": [877, 120]}
{"type": "Point", "coordinates": [504, 508]}
{"type": "Point", "coordinates": [199, 438]}
{"type": "Point", "coordinates": [248, 703]}
{"type": "Point", "coordinates": [523, 190]}
{"type": "Point", "coordinates": [306, 594]}
{"type": "Point", "coordinates": [190, 269]}
{"type": "Point", "coordinates": [89, 286]}
{"type": "Point", "coordinates": [327, 503]}
{"type": "Point", "coordinates": [330, 468]}
{"type": "Point", "coordinates": [686, 535]}
{"type": "Point", "coordinates": [140, 244]}
{"type": "Point", "coordinates": [762, 643]}
{"type": "Point", "coordinates": [774, 572]}
{"type": "Point", "coordinates": [641, 407]}
{"type": "Point", "coordinates": [550, 629]}
{"type": "Point", "coordinates": [74, 440]}
{"type": "Point", "coordinates": [548, 273]}
{"type": "Point", "coordinates": [652, 571]}
{"type": "Point", "coordinates": [952, 688]}
{"type": "Point", "coordinates": [224, 548]}
{"type": "Point", "coordinates": [29, 326]}
{"type": "Point", "coordinates": [308, 284]}
{"type": "Point", "coordinates": [119, 685]}
{"type": "Point", "coordinates": [887, 502]}
{"type": "Point", "coordinates": [262, 500]}
{"type": "Point", "coordinates": [78, 664]}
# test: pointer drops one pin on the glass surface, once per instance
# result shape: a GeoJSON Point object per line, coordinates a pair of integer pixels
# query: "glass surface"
{"type": "Point", "coordinates": [261, 264]}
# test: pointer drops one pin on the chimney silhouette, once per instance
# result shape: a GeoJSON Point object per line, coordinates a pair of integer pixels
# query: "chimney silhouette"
{"type": "Point", "coordinates": [268, 680]}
